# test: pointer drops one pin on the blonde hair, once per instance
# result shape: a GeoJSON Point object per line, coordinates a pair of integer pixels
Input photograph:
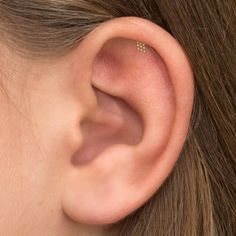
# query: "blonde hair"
{"type": "Point", "coordinates": [198, 198]}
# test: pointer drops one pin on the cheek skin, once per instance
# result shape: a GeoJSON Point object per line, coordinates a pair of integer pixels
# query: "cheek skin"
{"type": "Point", "coordinates": [36, 142]}
{"type": "Point", "coordinates": [26, 177]}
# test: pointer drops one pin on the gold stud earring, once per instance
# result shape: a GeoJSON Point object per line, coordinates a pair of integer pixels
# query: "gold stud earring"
{"type": "Point", "coordinates": [141, 46]}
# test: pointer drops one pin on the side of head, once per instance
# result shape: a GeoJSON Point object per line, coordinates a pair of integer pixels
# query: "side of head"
{"type": "Point", "coordinates": [99, 136]}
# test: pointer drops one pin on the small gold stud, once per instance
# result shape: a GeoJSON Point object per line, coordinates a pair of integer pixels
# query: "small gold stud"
{"type": "Point", "coordinates": [141, 46]}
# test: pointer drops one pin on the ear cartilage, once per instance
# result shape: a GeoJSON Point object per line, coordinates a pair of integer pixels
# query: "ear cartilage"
{"type": "Point", "coordinates": [141, 46]}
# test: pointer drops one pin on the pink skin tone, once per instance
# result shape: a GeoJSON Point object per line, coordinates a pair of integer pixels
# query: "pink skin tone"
{"type": "Point", "coordinates": [69, 153]}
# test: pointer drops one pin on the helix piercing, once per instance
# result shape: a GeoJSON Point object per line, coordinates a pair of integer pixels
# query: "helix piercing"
{"type": "Point", "coordinates": [141, 46]}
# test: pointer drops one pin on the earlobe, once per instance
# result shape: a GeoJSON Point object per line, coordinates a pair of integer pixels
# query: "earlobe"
{"type": "Point", "coordinates": [133, 136]}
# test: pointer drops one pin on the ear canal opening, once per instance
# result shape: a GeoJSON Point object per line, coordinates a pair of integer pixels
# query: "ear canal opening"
{"type": "Point", "coordinates": [119, 124]}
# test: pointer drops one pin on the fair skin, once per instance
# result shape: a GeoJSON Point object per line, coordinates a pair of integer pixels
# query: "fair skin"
{"type": "Point", "coordinates": [75, 158]}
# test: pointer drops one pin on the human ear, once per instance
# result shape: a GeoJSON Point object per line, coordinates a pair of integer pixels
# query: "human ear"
{"type": "Point", "coordinates": [135, 121]}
